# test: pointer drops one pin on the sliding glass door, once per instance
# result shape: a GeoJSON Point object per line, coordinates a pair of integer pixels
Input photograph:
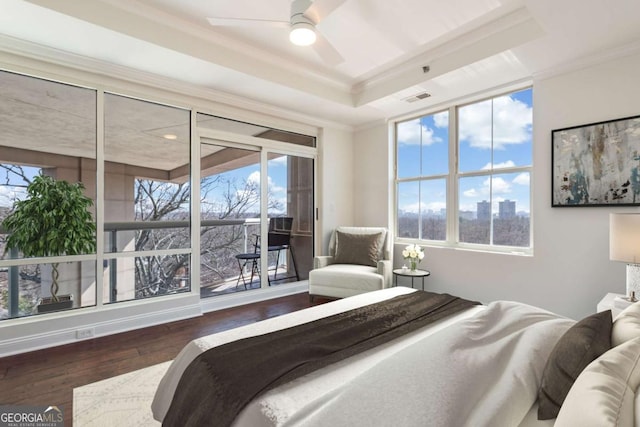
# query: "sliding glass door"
{"type": "Point", "coordinates": [239, 210]}
{"type": "Point", "coordinates": [291, 195]}
{"type": "Point", "coordinates": [229, 218]}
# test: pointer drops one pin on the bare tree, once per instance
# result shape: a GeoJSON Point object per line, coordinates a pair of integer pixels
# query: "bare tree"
{"type": "Point", "coordinates": [16, 171]}
{"type": "Point", "coordinates": [221, 199]}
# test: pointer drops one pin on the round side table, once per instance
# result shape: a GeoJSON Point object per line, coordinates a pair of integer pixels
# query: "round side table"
{"type": "Point", "coordinates": [408, 273]}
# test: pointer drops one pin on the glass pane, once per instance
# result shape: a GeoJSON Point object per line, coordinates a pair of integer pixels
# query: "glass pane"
{"type": "Point", "coordinates": [290, 191]}
{"type": "Point", "coordinates": [147, 196]}
{"type": "Point", "coordinates": [513, 122]}
{"type": "Point", "coordinates": [474, 209]}
{"type": "Point", "coordinates": [496, 133]}
{"type": "Point", "coordinates": [147, 191]}
{"type": "Point", "coordinates": [435, 144]}
{"type": "Point", "coordinates": [153, 276]}
{"type": "Point", "coordinates": [434, 209]}
{"type": "Point", "coordinates": [511, 209]}
{"type": "Point", "coordinates": [230, 219]}
{"type": "Point", "coordinates": [409, 209]}
{"type": "Point", "coordinates": [26, 290]}
{"type": "Point", "coordinates": [503, 199]}
{"type": "Point", "coordinates": [475, 135]}
{"type": "Point", "coordinates": [423, 146]}
{"type": "Point", "coordinates": [49, 129]}
{"type": "Point", "coordinates": [409, 137]}
{"type": "Point", "coordinates": [48, 133]}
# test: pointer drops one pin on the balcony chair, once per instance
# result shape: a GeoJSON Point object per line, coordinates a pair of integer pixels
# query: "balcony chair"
{"type": "Point", "coordinates": [358, 262]}
{"type": "Point", "coordinates": [279, 239]}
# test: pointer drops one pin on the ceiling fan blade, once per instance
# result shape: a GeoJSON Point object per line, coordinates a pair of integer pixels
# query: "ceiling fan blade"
{"type": "Point", "coordinates": [320, 9]}
{"type": "Point", "coordinates": [244, 22]}
{"type": "Point", "coordinates": [326, 51]}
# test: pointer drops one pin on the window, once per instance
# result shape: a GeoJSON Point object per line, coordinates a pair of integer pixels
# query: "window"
{"type": "Point", "coordinates": [135, 163]}
{"type": "Point", "coordinates": [469, 187]}
{"type": "Point", "coordinates": [147, 198]}
{"type": "Point", "coordinates": [422, 176]}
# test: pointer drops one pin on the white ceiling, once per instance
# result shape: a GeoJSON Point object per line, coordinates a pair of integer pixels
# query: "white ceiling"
{"type": "Point", "coordinates": [470, 46]}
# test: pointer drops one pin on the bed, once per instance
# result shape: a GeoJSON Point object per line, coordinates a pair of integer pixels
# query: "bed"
{"type": "Point", "coordinates": [482, 366]}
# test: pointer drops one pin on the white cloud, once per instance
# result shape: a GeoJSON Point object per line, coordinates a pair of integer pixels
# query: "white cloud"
{"type": "Point", "coordinates": [441, 120]}
{"type": "Point", "coordinates": [413, 133]}
{"type": "Point", "coordinates": [413, 208]}
{"type": "Point", "coordinates": [278, 161]}
{"type": "Point", "coordinates": [511, 123]}
{"type": "Point", "coordinates": [254, 178]}
{"type": "Point", "coordinates": [499, 186]}
{"type": "Point", "coordinates": [435, 206]}
{"type": "Point", "coordinates": [9, 193]}
{"type": "Point", "coordinates": [522, 179]}
{"type": "Point", "coordinates": [424, 207]}
{"type": "Point", "coordinates": [507, 164]}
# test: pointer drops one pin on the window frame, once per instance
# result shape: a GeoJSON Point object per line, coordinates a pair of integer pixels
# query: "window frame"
{"type": "Point", "coordinates": [452, 179]}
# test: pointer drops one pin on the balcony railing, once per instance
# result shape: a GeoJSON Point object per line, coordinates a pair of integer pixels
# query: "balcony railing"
{"type": "Point", "coordinates": [112, 244]}
{"type": "Point", "coordinates": [112, 228]}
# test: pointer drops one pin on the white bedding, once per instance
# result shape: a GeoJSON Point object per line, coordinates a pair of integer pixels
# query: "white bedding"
{"type": "Point", "coordinates": [479, 367]}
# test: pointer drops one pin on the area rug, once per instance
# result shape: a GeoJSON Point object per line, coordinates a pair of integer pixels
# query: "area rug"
{"type": "Point", "coordinates": [124, 400]}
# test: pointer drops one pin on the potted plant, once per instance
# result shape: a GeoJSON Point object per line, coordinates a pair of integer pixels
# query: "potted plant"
{"type": "Point", "coordinates": [53, 220]}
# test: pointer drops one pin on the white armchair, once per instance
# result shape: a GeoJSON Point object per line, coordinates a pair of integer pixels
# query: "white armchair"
{"type": "Point", "coordinates": [358, 262]}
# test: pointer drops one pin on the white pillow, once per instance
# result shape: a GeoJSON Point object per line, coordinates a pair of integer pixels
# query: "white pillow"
{"type": "Point", "coordinates": [604, 394]}
{"type": "Point", "coordinates": [626, 326]}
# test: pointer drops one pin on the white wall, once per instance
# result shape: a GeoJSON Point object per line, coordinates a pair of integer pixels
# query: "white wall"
{"type": "Point", "coordinates": [570, 270]}
{"type": "Point", "coordinates": [373, 159]}
{"type": "Point", "coordinates": [335, 180]}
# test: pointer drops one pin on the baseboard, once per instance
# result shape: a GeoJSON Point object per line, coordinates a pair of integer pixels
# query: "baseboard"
{"type": "Point", "coordinates": [83, 326]}
{"type": "Point", "coordinates": [78, 325]}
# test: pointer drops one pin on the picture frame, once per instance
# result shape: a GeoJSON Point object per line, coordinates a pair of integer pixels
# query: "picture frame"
{"type": "Point", "coordinates": [596, 164]}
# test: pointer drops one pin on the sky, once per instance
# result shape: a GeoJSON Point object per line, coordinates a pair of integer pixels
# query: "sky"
{"type": "Point", "coordinates": [277, 182]}
{"type": "Point", "coordinates": [12, 186]}
{"type": "Point", "coordinates": [495, 132]}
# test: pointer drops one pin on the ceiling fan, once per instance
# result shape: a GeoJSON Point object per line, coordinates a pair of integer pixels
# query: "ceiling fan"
{"type": "Point", "coordinates": [305, 15]}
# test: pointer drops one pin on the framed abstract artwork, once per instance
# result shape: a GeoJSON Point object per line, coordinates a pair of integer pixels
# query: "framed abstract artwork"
{"type": "Point", "coordinates": [596, 164]}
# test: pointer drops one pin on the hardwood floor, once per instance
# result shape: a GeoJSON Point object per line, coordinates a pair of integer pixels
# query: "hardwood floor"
{"type": "Point", "coordinates": [47, 377]}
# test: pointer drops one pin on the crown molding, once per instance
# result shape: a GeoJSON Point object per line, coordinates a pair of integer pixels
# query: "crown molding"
{"type": "Point", "coordinates": [588, 61]}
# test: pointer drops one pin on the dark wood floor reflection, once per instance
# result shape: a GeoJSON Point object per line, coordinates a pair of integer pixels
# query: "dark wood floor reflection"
{"type": "Point", "coordinates": [48, 377]}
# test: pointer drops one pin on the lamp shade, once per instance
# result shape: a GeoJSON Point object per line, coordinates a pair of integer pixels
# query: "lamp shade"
{"type": "Point", "coordinates": [624, 238]}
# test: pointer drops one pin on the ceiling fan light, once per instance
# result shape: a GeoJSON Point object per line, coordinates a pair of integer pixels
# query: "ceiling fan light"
{"type": "Point", "coordinates": [302, 34]}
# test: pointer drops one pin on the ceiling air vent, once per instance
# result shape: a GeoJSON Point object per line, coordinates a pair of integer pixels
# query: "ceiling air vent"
{"type": "Point", "coordinates": [417, 97]}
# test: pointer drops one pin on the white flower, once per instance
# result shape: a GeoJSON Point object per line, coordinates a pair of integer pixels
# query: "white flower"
{"type": "Point", "coordinates": [413, 252]}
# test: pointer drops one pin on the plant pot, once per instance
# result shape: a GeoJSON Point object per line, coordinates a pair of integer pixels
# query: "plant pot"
{"type": "Point", "coordinates": [48, 305]}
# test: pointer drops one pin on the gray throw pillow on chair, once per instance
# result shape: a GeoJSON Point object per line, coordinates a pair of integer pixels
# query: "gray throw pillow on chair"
{"type": "Point", "coordinates": [357, 248]}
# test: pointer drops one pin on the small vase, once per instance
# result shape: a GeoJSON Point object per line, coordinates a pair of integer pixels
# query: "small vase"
{"type": "Point", "coordinates": [414, 265]}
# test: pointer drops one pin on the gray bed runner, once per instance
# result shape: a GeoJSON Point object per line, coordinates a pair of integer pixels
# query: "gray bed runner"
{"type": "Point", "coordinates": [220, 382]}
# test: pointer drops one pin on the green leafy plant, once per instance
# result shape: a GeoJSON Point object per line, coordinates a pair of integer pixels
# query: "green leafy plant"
{"type": "Point", "coordinates": [53, 220]}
